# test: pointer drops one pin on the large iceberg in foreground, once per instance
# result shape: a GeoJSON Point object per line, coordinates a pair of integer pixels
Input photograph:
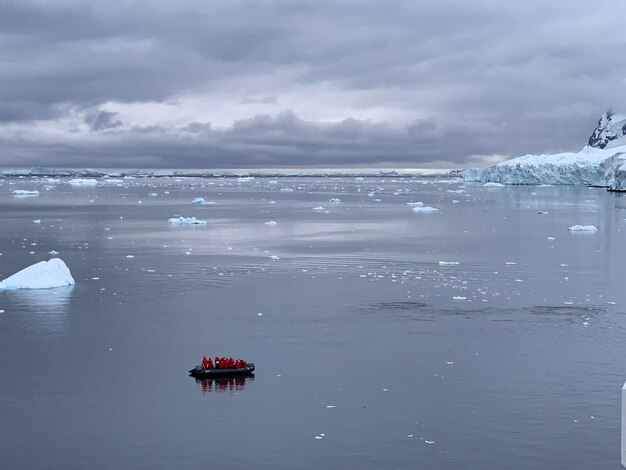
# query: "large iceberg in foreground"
{"type": "Point", "coordinates": [595, 165]}
{"type": "Point", "coordinates": [42, 275]}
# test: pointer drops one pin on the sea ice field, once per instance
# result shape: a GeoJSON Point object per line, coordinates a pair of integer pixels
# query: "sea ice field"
{"type": "Point", "coordinates": [395, 322]}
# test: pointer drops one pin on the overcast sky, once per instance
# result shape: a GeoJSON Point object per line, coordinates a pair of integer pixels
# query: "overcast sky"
{"type": "Point", "coordinates": [228, 84]}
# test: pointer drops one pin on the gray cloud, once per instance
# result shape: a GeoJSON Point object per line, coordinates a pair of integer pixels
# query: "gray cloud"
{"type": "Point", "coordinates": [447, 82]}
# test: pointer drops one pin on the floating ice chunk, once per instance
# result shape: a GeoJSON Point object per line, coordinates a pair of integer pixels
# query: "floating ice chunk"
{"type": "Point", "coordinates": [271, 223]}
{"type": "Point", "coordinates": [186, 221]}
{"type": "Point", "coordinates": [448, 263]}
{"type": "Point", "coordinates": [199, 201]}
{"type": "Point", "coordinates": [458, 297]}
{"type": "Point", "coordinates": [37, 221]}
{"type": "Point", "coordinates": [334, 200]}
{"type": "Point", "coordinates": [129, 256]}
{"type": "Point", "coordinates": [274, 257]}
{"type": "Point", "coordinates": [53, 252]}
{"type": "Point", "coordinates": [583, 228]}
{"type": "Point", "coordinates": [456, 191]}
{"type": "Point", "coordinates": [493, 185]}
{"type": "Point", "coordinates": [42, 275]}
{"type": "Point", "coordinates": [429, 442]}
{"type": "Point", "coordinates": [414, 203]}
{"type": "Point", "coordinates": [83, 182]}
{"type": "Point", "coordinates": [24, 192]}
{"type": "Point", "coordinates": [318, 208]}
{"type": "Point", "coordinates": [425, 210]}
{"type": "Point", "coordinates": [286, 190]}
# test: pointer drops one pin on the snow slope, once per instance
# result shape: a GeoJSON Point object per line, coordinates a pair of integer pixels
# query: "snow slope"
{"type": "Point", "coordinates": [42, 275]}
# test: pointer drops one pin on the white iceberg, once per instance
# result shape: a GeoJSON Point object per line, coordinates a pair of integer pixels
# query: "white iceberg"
{"type": "Point", "coordinates": [42, 275]}
{"type": "Point", "coordinates": [493, 185]}
{"type": "Point", "coordinates": [186, 221]}
{"type": "Point", "coordinates": [425, 210]}
{"type": "Point", "coordinates": [24, 192]}
{"type": "Point", "coordinates": [271, 223]}
{"type": "Point", "coordinates": [583, 228]}
{"type": "Point", "coordinates": [83, 182]}
{"type": "Point", "coordinates": [199, 201]}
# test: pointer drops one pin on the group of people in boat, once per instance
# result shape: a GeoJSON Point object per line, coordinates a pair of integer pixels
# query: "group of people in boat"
{"type": "Point", "coordinates": [223, 363]}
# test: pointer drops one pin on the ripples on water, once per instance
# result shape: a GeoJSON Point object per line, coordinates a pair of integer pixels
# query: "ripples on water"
{"type": "Point", "coordinates": [499, 361]}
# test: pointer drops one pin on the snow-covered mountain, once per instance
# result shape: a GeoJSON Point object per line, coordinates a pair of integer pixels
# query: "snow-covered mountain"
{"type": "Point", "coordinates": [597, 164]}
{"type": "Point", "coordinates": [611, 131]}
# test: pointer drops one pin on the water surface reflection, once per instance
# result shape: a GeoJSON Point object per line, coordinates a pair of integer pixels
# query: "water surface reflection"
{"type": "Point", "coordinates": [225, 384]}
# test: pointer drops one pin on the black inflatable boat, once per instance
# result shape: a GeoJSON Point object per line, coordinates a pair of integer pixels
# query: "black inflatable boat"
{"type": "Point", "coordinates": [200, 372]}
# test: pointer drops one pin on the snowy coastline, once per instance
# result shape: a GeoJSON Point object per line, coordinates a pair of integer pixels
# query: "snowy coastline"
{"type": "Point", "coordinates": [597, 164]}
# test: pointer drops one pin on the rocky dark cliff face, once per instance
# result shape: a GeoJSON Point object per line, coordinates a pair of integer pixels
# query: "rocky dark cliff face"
{"type": "Point", "coordinates": [611, 127]}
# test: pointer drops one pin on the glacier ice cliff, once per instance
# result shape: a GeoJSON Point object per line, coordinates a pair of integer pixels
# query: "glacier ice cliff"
{"type": "Point", "coordinates": [598, 164]}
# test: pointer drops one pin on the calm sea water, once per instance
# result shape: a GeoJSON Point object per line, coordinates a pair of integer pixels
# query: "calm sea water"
{"type": "Point", "coordinates": [370, 353]}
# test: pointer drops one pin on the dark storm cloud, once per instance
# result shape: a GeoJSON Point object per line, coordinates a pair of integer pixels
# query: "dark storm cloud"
{"type": "Point", "coordinates": [480, 78]}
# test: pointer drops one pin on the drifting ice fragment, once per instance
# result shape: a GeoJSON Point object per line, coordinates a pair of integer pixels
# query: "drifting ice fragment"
{"type": "Point", "coordinates": [42, 275]}
{"type": "Point", "coordinates": [493, 185]}
{"type": "Point", "coordinates": [271, 223]}
{"type": "Point", "coordinates": [83, 182]}
{"type": "Point", "coordinates": [425, 210]}
{"type": "Point", "coordinates": [24, 192]}
{"type": "Point", "coordinates": [583, 228]}
{"type": "Point", "coordinates": [448, 263]}
{"type": "Point", "coordinates": [186, 221]}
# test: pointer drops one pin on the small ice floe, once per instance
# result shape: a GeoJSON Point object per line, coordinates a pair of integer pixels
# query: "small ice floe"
{"type": "Point", "coordinates": [286, 190]}
{"type": "Point", "coordinates": [425, 210]}
{"type": "Point", "coordinates": [583, 228]}
{"type": "Point", "coordinates": [186, 221]}
{"type": "Point", "coordinates": [199, 201]}
{"type": "Point", "coordinates": [458, 297]}
{"type": "Point", "coordinates": [542, 212]}
{"type": "Point", "coordinates": [24, 193]}
{"type": "Point", "coordinates": [551, 238]}
{"type": "Point", "coordinates": [274, 257]}
{"type": "Point", "coordinates": [320, 437]}
{"type": "Point", "coordinates": [37, 221]}
{"type": "Point", "coordinates": [448, 263]}
{"type": "Point", "coordinates": [331, 406]}
{"type": "Point", "coordinates": [510, 263]}
{"type": "Point", "coordinates": [418, 203]}
{"type": "Point", "coordinates": [449, 362]}
{"type": "Point", "coordinates": [53, 252]}
{"type": "Point", "coordinates": [42, 275]}
{"type": "Point", "coordinates": [129, 256]}
{"type": "Point", "coordinates": [271, 223]}
{"type": "Point", "coordinates": [493, 185]}
{"type": "Point", "coordinates": [456, 191]}
{"type": "Point", "coordinates": [259, 314]}
{"type": "Point", "coordinates": [83, 182]}
{"type": "Point", "coordinates": [429, 442]}
{"type": "Point", "coordinates": [334, 200]}
{"type": "Point", "coordinates": [318, 209]}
